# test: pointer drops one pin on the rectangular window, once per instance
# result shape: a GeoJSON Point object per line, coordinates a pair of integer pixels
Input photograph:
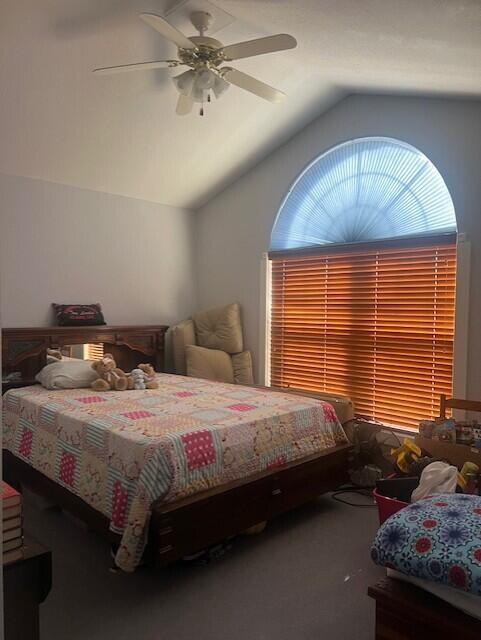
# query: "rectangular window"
{"type": "Point", "coordinates": [93, 351]}
{"type": "Point", "coordinates": [373, 321]}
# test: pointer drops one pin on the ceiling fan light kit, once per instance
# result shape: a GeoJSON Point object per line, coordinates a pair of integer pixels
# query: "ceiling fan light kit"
{"type": "Point", "coordinates": [204, 57]}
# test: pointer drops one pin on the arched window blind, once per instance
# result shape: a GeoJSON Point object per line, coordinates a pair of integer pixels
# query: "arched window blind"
{"type": "Point", "coordinates": [368, 311]}
{"type": "Point", "coordinates": [364, 189]}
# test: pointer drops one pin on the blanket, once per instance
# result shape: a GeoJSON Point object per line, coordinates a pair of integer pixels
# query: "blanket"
{"type": "Point", "coordinates": [121, 451]}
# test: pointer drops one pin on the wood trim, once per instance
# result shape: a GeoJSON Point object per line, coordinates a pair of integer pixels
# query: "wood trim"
{"type": "Point", "coordinates": [406, 612]}
{"type": "Point", "coordinates": [24, 348]}
{"type": "Point", "coordinates": [457, 403]}
{"type": "Point", "coordinates": [461, 326]}
{"type": "Point", "coordinates": [350, 247]}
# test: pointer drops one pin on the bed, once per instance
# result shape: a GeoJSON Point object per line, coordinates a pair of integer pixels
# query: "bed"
{"type": "Point", "coordinates": [164, 473]}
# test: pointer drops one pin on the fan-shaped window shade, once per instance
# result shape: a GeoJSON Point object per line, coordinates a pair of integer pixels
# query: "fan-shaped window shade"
{"type": "Point", "coordinates": [363, 190]}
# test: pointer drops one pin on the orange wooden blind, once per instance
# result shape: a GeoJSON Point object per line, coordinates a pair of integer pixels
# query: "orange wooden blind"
{"type": "Point", "coordinates": [94, 351]}
{"type": "Point", "coordinates": [375, 323]}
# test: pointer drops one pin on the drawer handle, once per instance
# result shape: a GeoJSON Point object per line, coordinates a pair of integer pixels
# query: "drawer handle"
{"type": "Point", "coordinates": [166, 549]}
{"type": "Point", "coordinates": [165, 531]}
{"type": "Point", "coordinates": [277, 492]}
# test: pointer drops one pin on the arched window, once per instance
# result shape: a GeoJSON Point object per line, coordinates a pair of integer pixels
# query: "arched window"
{"type": "Point", "coordinates": [364, 189]}
{"type": "Point", "coordinates": [363, 262]}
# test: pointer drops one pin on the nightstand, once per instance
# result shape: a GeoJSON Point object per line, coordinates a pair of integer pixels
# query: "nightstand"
{"type": "Point", "coordinates": [26, 584]}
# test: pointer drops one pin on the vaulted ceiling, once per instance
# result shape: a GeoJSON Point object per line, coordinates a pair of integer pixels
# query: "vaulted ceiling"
{"type": "Point", "coordinates": [119, 134]}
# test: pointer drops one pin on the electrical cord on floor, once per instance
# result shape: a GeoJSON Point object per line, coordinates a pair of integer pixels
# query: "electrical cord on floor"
{"type": "Point", "coordinates": [360, 491]}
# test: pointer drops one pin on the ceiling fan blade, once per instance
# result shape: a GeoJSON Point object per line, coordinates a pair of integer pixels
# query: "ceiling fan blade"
{"type": "Point", "coordinates": [257, 47]}
{"type": "Point", "coordinates": [139, 66]}
{"type": "Point", "coordinates": [184, 105]}
{"type": "Point", "coordinates": [167, 30]}
{"type": "Point", "coordinates": [247, 82]}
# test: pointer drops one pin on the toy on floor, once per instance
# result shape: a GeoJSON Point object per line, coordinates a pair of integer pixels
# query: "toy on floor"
{"type": "Point", "coordinates": [110, 377]}
{"type": "Point", "coordinates": [406, 455]}
{"type": "Point", "coordinates": [468, 477]}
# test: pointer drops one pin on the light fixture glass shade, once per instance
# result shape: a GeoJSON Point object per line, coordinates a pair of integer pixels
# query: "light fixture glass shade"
{"type": "Point", "coordinates": [220, 86]}
{"type": "Point", "coordinates": [198, 84]}
{"type": "Point", "coordinates": [205, 79]}
{"type": "Point", "coordinates": [184, 82]}
{"type": "Point", "coordinates": [198, 95]}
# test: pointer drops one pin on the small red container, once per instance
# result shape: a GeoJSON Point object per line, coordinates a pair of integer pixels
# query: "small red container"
{"type": "Point", "coordinates": [387, 506]}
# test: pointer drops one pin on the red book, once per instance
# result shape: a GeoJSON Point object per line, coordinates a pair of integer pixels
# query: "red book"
{"type": "Point", "coordinates": [10, 497]}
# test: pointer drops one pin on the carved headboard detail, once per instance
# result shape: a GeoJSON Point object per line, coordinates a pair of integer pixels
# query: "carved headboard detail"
{"type": "Point", "coordinates": [24, 349]}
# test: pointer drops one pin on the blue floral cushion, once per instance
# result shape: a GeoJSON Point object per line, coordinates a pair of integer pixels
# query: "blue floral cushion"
{"type": "Point", "coordinates": [438, 539]}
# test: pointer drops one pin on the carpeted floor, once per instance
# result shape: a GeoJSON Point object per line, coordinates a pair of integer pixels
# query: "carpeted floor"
{"type": "Point", "coordinates": [305, 577]}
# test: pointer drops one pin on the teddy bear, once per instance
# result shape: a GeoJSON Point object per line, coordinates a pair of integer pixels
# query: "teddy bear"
{"type": "Point", "coordinates": [54, 355]}
{"type": "Point", "coordinates": [110, 377]}
{"type": "Point", "coordinates": [143, 377]}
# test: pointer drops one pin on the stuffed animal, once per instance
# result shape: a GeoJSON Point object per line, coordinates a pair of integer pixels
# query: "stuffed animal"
{"type": "Point", "coordinates": [149, 373]}
{"type": "Point", "coordinates": [54, 355]}
{"type": "Point", "coordinates": [110, 377]}
{"type": "Point", "coordinates": [137, 379]}
{"type": "Point", "coordinates": [143, 377]}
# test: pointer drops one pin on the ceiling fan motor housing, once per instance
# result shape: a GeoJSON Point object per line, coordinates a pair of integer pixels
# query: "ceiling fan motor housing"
{"type": "Point", "coordinates": [208, 52]}
{"type": "Point", "coordinates": [202, 21]}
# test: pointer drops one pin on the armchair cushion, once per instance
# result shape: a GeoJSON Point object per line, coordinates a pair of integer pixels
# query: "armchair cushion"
{"type": "Point", "coordinates": [210, 364]}
{"type": "Point", "coordinates": [182, 334]}
{"type": "Point", "coordinates": [242, 365]}
{"type": "Point", "coordinates": [220, 328]}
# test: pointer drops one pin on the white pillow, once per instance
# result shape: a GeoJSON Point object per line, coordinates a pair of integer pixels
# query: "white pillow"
{"type": "Point", "coordinates": [52, 359]}
{"type": "Point", "coordinates": [68, 374]}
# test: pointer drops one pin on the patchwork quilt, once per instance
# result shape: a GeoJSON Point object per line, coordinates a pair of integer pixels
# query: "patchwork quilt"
{"type": "Point", "coordinates": [437, 539]}
{"type": "Point", "coordinates": [121, 451]}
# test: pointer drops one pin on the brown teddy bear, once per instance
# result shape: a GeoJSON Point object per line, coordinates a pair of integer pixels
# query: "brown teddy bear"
{"type": "Point", "coordinates": [110, 377]}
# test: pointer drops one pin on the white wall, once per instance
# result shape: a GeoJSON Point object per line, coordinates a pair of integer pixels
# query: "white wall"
{"type": "Point", "coordinates": [233, 229]}
{"type": "Point", "coordinates": [64, 244]}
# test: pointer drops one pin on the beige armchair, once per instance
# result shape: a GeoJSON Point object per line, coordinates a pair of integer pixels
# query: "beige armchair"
{"type": "Point", "coordinates": [210, 345]}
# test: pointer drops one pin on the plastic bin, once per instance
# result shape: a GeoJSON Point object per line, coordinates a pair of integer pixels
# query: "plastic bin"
{"type": "Point", "coordinates": [387, 506]}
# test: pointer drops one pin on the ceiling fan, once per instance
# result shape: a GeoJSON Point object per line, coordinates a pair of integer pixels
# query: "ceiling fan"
{"type": "Point", "coordinates": [205, 56]}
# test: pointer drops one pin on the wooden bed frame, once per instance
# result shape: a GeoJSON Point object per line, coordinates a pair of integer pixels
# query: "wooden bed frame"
{"type": "Point", "coordinates": [406, 612]}
{"type": "Point", "coordinates": [183, 527]}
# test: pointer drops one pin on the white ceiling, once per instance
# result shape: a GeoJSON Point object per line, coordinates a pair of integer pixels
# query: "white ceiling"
{"type": "Point", "coordinates": [119, 134]}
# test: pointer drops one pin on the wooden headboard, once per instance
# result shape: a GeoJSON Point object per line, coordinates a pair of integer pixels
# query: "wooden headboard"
{"type": "Point", "coordinates": [24, 349]}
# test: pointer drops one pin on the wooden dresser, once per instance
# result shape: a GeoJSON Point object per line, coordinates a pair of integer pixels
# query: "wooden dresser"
{"type": "Point", "coordinates": [24, 349]}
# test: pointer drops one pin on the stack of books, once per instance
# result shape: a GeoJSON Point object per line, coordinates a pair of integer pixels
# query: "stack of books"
{"type": "Point", "coordinates": [12, 524]}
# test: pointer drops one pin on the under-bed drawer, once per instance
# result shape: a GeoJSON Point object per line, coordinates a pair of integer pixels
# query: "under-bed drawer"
{"type": "Point", "coordinates": [305, 483]}
{"type": "Point", "coordinates": [200, 522]}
